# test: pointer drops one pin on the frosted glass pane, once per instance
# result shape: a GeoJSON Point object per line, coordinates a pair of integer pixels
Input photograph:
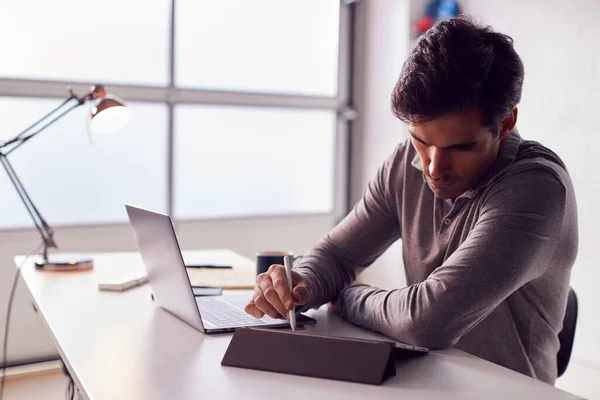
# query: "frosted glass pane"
{"type": "Point", "coordinates": [108, 41]}
{"type": "Point", "coordinates": [288, 46]}
{"type": "Point", "coordinates": [234, 161]}
{"type": "Point", "coordinates": [73, 182]}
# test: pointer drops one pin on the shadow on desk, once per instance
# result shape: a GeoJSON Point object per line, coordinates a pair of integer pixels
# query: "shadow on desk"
{"type": "Point", "coordinates": [416, 372]}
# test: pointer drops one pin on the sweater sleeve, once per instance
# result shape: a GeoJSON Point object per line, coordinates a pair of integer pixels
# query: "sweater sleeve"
{"type": "Point", "coordinates": [512, 243]}
{"type": "Point", "coordinates": [360, 238]}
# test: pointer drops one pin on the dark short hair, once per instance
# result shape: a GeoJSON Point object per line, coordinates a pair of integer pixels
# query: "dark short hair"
{"type": "Point", "coordinates": [455, 66]}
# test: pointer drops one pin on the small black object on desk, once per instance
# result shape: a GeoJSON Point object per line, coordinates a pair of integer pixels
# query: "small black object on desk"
{"type": "Point", "coordinates": [208, 266]}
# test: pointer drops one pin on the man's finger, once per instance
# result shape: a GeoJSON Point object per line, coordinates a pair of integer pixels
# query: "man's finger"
{"type": "Point", "coordinates": [253, 310]}
{"type": "Point", "coordinates": [263, 305]}
{"type": "Point", "coordinates": [280, 285]}
{"type": "Point", "coordinates": [301, 293]}
{"type": "Point", "coordinates": [269, 293]}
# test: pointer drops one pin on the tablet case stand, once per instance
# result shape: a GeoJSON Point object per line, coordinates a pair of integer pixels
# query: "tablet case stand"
{"type": "Point", "coordinates": [346, 359]}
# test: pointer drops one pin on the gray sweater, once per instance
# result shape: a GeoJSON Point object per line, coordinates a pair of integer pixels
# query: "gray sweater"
{"type": "Point", "coordinates": [487, 273]}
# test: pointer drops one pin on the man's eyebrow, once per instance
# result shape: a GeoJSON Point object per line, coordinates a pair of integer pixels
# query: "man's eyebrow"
{"type": "Point", "coordinates": [417, 139]}
{"type": "Point", "coordinates": [454, 146]}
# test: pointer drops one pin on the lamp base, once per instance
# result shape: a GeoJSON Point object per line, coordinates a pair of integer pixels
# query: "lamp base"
{"type": "Point", "coordinates": [65, 262]}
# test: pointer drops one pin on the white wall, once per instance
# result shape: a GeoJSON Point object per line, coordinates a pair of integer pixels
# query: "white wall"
{"type": "Point", "coordinates": [28, 339]}
{"type": "Point", "coordinates": [385, 44]}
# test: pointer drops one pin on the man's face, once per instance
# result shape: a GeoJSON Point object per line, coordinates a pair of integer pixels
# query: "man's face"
{"type": "Point", "coordinates": [456, 150]}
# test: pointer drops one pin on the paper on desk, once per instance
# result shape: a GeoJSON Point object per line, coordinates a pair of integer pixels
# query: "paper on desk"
{"type": "Point", "coordinates": [226, 278]}
{"type": "Point", "coordinates": [240, 276]}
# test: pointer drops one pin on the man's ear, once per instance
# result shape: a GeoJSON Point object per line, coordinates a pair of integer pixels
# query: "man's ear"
{"type": "Point", "coordinates": [508, 123]}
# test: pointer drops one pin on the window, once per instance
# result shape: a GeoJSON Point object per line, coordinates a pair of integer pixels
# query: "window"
{"type": "Point", "coordinates": [236, 161]}
{"type": "Point", "coordinates": [259, 45]}
{"type": "Point", "coordinates": [235, 107]}
{"type": "Point", "coordinates": [72, 40]}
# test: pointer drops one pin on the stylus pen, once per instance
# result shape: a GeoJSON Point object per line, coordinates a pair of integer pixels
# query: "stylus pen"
{"type": "Point", "coordinates": [287, 260]}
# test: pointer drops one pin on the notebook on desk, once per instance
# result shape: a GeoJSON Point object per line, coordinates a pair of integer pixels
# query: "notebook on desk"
{"type": "Point", "coordinates": [241, 275]}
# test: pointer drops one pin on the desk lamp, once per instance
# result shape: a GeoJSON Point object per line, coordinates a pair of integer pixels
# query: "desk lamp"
{"type": "Point", "coordinates": [108, 114]}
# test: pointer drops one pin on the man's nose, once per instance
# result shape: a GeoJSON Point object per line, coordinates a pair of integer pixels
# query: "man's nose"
{"type": "Point", "coordinates": [439, 163]}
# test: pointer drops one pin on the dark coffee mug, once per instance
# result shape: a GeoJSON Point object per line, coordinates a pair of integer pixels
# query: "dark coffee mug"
{"type": "Point", "coordinates": [265, 259]}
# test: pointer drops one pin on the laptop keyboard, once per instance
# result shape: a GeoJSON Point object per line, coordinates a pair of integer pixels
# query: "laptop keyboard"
{"type": "Point", "coordinates": [223, 314]}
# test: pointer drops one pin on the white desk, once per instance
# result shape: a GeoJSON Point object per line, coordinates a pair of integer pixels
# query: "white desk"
{"type": "Point", "coordinates": [120, 345]}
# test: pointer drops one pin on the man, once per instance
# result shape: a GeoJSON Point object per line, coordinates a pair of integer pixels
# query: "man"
{"type": "Point", "coordinates": [487, 220]}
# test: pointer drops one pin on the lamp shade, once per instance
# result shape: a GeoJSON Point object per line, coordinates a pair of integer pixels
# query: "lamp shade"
{"type": "Point", "coordinates": [109, 115]}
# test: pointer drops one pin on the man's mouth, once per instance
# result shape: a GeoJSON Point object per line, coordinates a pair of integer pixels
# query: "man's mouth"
{"type": "Point", "coordinates": [440, 184]}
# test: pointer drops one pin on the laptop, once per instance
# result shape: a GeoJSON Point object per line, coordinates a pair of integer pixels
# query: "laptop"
{"type": "Point", "coordinates": [171, 286]}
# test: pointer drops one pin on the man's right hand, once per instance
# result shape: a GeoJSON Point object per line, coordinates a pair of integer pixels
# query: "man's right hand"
{"type": "Point", "coordinates": [272, 296]}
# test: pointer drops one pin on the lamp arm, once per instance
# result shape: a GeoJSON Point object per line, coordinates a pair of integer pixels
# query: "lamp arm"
{"type": "Point", "coordinates": [46, 232]}
{"type": "Point", "coordinates": [24, 136]}
{"type": "Point", "coordinates": [17, 137]}
{"type": "Point", "coordinates": [18, 141]}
